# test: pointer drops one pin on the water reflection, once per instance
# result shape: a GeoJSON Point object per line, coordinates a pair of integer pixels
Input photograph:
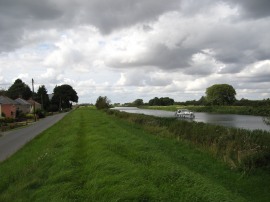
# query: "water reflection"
{"type": "Point", "coordinates": [222, 119]}
{"type": "Point", "coordinates": [228, 120]}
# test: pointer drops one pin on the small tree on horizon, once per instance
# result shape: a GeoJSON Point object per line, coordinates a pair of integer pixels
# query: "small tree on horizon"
{"type": "Point", "coordinates": [138, 102]}
{"type": "Point", "coordinates": [102, 102]}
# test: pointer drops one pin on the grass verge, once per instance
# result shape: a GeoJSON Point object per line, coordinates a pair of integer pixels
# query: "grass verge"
{"type": "Point", "coordinates": [89, 156]}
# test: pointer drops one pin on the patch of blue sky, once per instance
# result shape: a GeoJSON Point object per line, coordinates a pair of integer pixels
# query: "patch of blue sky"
{"type": "Point", "coordinates": [101, 43]}
{"type": "Point", "coordinates": [46, 47]}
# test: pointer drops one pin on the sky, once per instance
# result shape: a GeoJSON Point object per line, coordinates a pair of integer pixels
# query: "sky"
{"type": "Point", "coordinates": [128, 50]}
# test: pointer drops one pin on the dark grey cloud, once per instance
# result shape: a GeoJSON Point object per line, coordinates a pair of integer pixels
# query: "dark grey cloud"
{"type": "Point", "coordinates": [27, 9]}
{"type": "Point", "coordinates": [252, 8]}
{"type": "Point", "coordinates": [161, 56]}
{"type": "Point", "coordinates": [258, 78]}
{"type": "Point", "coordinates": [108, 16]}
{"type": "Point", "coordinates": [167, 58]}
{"type": "Point", "coordinates": [18, 16]}
{"type": "Point", "coordinates": [236, 43]}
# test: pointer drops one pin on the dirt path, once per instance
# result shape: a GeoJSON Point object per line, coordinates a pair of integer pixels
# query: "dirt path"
{"type": "Point", "coordinates": [12, 141]}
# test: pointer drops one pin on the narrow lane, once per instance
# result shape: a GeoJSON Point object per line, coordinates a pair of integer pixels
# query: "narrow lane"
{"type": "Point", "coordinates": [12, 141]}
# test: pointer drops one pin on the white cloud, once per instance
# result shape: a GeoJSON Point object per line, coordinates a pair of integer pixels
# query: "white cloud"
{"type": "Point", "coordinates": [137, 49]}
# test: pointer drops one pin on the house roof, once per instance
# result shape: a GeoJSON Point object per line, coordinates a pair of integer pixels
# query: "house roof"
{"type": "Point", "coordinates": [22, 101]}
{"type": "Point", "coordinates": [7, 101]}
{"type": "Point", "coordinates": [32, 102]}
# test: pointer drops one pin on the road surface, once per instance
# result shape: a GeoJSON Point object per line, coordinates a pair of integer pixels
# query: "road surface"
{"type": "Point", "coordinates": [12, 141]}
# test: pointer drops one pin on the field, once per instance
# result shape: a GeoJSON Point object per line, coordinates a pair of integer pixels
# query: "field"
{"type": "Point", "coordinates": [91, 156]}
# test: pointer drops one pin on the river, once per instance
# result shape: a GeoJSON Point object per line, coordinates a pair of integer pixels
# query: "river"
{"type": "Point", "coordinates": [229, 120]}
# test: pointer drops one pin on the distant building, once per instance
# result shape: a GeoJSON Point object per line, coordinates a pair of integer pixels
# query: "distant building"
{"type": "Point", "coordinates": [23, 105]}
{"type": "Point", "coordinates": [50, 96]}
{"type": "Point", "coordinates": [34, 104]}
{"type": "Point", "coordinates": [7, 107]}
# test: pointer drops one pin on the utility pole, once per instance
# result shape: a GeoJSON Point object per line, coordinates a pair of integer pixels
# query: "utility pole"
{"type": "Point", "coordinates": [34, 100]}
{"type": "Point", "coordinates": [42, 104]}
{"type": "Point", "coordinates": [60, 104]}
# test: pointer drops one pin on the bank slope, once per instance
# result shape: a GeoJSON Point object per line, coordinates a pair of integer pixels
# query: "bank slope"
{"type": "Point", "coordinates": [90, 156]}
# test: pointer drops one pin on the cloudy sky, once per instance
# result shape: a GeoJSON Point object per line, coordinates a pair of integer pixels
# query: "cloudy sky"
{"type": "Point", "coordinates": [127, 49]}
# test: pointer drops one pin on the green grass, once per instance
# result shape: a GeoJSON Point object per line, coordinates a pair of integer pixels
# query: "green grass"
{"type": "Point", "coordinates": [90, 156]}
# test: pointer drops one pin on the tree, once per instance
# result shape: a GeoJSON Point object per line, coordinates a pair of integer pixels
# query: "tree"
{"type": "Point", "coordinates": [102, 102]}
{"type": "Point", "coordinates": [163, 101]}
{"type": "Point", "coordinates": [3, 92]}
{"type": "Point", "coordinates": [42, 97]}
{"type": "Point", "coordinates": [138, 102]}
{"type": "Point", "coordinates": [166, 101]}
{"type": "Point", "coordinates": [202, 101]}
{"type": "Point", "coordinates": [220, 94]}
{"type": "Point", "coordinates": [19, 89]}
{"type": "Point", "coordinates": [154, 102]}
{"type": "Point", "coordinates": [63, 96]}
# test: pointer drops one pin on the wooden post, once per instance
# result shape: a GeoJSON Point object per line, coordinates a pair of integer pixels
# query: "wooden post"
{"type": "Point", "coordinates": [34, 100]}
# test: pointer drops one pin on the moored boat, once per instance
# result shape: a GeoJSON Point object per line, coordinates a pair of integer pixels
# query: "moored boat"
{"type": "Point", "coordinates": [184, 113]}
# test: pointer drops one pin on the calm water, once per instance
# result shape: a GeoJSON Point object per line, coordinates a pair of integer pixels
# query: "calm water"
{"type": "Point", "coordinates": [230, 120]}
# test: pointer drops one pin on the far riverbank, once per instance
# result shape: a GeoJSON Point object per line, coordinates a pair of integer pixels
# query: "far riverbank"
{"type": "Point", "coordinates": [241, 110]}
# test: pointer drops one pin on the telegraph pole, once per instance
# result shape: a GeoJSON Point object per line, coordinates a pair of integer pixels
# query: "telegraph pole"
{"type": "Point", "coordinates": [34, 100]}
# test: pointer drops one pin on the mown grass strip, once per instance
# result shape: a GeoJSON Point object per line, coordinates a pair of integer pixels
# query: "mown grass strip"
{"type": "Point", "coordinates": [89, 156]}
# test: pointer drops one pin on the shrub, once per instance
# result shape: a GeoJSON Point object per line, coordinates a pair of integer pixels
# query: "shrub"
{"type": "Point", "coordinates": [7, 120]}
{"type": "Point", "coordinates": [30, 116]}
{"type": "Point", "coordinates": [40, 113]}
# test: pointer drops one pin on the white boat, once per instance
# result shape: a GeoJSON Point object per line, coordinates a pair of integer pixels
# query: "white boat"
{"type": "Point", "coordinates": [184, 113]}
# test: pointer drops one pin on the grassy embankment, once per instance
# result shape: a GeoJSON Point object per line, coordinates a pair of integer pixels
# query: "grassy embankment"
{"type": "Point", "coordinates": [239, 148]}
{"type": "Point", "coordinates": [243, 110]}
{"type": "Point", "coordinates": [90, 156]}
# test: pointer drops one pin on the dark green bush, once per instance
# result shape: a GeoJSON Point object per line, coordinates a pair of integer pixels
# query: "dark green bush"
{"type": "Point", "coordinates": [40, 113]}
{"type": "Point", "coordinates": [7, 120]}
{"type": "Point", "coordinates": [30, 116]}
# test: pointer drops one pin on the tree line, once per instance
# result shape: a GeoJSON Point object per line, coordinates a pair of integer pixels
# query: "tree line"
{"type": "Point", "coordinates": [215, 95]}
{"type": "Point", "coordinates": [218, 94]}
{"type": "Point", "coordinates": [62, 96]}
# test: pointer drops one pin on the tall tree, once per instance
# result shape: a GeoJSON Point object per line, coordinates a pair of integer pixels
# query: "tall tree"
{"type": "Point", "coordinates": [42, 97]}
{"type": "Point", "coordinates": [19, 89]}
{"type": "Point", "coordinates": [220, 94]}
{"type": "Point", "coordinates": [63, 96]}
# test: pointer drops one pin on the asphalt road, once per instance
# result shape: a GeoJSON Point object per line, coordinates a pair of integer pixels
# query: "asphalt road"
{"type": "Point", "coordinates": [12, 141]}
